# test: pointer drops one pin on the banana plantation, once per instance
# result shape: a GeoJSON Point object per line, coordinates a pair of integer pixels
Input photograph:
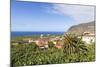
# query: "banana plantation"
{"type": "Point", "coordinates": [73, 50]}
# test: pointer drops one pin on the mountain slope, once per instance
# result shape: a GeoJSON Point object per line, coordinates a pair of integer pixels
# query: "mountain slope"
{"type": "Point", "coordinates": [84, 27]}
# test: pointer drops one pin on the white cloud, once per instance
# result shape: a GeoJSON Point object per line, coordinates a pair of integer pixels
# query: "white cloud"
{"type": "Point", "coordinates": [87, 2]}
{"type": "Point", "coordinates": [80, 13]}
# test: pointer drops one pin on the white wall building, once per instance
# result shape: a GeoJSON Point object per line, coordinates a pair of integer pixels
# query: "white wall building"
{"type": "Point", "coordinates": [88, 38]}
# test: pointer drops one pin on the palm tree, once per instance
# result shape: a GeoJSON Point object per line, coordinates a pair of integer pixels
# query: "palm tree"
{"type": "Point", "coordinates": [73, 44]}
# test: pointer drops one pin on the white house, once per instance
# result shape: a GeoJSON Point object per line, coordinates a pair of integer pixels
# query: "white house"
{"type": "Point", "coordinates": [88, 37]}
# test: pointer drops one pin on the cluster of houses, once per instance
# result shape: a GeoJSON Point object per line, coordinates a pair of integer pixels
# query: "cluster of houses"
{"type": "Point", "coordinates": [42, 42]}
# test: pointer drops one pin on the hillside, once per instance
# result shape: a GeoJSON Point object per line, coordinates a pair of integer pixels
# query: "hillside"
{"type": "Point", "coordinates": [83, 27]}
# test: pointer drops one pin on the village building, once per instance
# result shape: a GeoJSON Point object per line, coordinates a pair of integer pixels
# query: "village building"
{"type": "Point", "coordinates": [42, 42]}
{"type": "Point", "coordinates": [57, 41]}
{"type": "Point", "coordinates": [88, 37]}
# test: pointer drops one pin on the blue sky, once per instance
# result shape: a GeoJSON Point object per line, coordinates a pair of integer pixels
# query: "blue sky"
{"type": "Point", "coordinates": [36, 16]}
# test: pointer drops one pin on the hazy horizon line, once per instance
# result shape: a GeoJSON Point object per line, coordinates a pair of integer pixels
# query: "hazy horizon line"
{"type": "Point", "coordinates": [37, 31]}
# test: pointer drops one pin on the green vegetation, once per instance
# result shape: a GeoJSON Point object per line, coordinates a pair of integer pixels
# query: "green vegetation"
{"type": "Point", "coordinates": [74, 50]}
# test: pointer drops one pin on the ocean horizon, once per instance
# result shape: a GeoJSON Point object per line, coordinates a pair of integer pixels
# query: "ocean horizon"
{"type": "Point", "coordinates": [30, 33]}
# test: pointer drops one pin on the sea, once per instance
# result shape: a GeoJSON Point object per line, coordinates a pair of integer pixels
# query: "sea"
{"type": "Point", "coordinates": [20, 33]}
